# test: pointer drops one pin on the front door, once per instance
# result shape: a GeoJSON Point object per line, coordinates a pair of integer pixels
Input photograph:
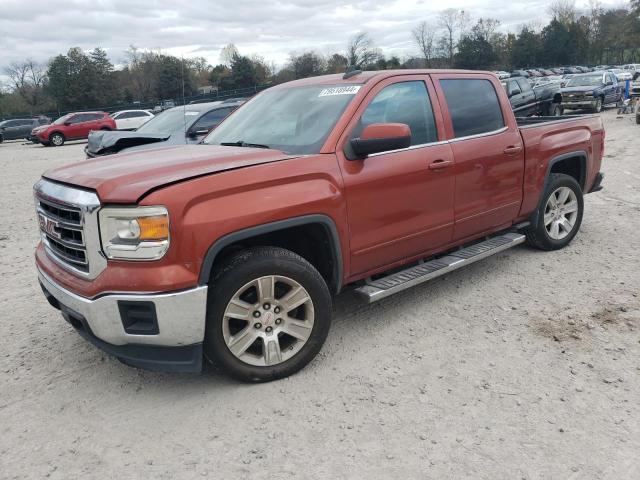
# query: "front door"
{"type": "Point", "coordinates": [488, 153]}
{"type": "Point", "coordinates": [399, 203]}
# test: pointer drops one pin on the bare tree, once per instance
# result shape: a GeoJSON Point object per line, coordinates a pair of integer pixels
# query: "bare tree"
{"type": "Point", "coordinates": [423, 36]}
{"type": "Point", "coordinates": [564, 11]}
{"type": "Point", "coordinates": [360, 51]}
{"type": "Point", "coordinates": [27, 79]}
{"type": "Point", "coordinates": [452, 21]}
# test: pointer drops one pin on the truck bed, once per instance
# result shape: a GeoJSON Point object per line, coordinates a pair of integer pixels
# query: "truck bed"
{"type": "Point", "coordinates": [525, 122]}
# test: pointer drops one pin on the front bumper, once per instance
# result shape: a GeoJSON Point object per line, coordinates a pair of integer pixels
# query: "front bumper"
{"type": "Point", "coordinates": [579, 104]}
{"type": "Point", "coordinates": [173, 337]}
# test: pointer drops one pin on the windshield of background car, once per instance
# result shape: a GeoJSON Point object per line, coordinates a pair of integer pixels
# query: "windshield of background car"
{"type": "Point", "coordinates": [295, 120]}
{"type": "Point", "coordinates": [585, 81]}
{"type": "Point", "coordinates": [171, 121]}
{"type": "Point", "coordinates": [63, 119]}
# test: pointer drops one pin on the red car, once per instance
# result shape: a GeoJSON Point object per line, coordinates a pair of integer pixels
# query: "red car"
{"type": "Point", "coordinates": [72, 126]}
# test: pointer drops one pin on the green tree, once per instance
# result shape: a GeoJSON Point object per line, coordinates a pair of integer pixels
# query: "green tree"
{"type": "Point", "coordinates": [526, 50]}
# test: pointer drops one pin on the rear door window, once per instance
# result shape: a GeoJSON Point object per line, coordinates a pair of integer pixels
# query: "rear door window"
{"type": "Point", "coordinates": [404, 102]}
{"type": "Point", "coordinates": [473, 105]}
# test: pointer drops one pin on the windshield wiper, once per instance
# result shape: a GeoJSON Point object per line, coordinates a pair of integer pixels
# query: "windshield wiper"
{"type": "Point", "coordinates": [242, 143]}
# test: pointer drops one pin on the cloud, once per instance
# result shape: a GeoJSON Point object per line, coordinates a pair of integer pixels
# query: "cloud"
{"type": "Point", "coordinates": [272, 29]}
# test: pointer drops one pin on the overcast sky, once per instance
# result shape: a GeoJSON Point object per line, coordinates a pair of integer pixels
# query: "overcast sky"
{"type": "Point", "coordinates": [271, 28]}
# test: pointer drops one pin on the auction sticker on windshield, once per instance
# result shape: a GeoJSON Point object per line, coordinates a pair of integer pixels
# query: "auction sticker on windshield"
{"type": "Point", "coordinates": [349, 90]}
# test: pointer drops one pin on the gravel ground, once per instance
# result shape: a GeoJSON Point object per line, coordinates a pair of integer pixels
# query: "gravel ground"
{"type": "Point", "coordinates": [522, 366]}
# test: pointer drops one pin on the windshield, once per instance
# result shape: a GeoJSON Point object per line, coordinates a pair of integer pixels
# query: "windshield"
{"type": "Point", "coordinates": [585, 81]}
{"type": "Point", "coordinates": [170, 121]}
{"type": "Point", "coordinates": [62, 119]}
{"type": "Point", "coordinates": [294, 120]}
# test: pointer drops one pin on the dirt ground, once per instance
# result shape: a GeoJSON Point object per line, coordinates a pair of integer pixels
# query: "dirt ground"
{"type": "Point", "coordinates": [523, 366]}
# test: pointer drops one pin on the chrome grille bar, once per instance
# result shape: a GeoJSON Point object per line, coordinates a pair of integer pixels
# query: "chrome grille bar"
{"type": "Point", "coordinates": [68, 223]}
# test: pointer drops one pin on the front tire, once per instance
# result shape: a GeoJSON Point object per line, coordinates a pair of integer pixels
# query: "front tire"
{"type": "Point", "coordinates": [268, 314]}
{"type": "Point", "coordinates": [56, 139]}
{"type": "Point", "coordinates": [556, 110]}
{"type": "Point", "coordinates": [598, 106]}
{"type": "Point", "coordinates": [559, 214]}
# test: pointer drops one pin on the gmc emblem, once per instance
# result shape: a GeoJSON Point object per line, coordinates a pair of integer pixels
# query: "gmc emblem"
{"type": "Point", "coordinates": [48, 226]}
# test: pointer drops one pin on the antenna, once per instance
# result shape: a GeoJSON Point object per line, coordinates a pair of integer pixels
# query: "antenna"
{"type": "Point", "coordinates": [184, 106]}
{"type": "Point", "coordinates": [352, 71]}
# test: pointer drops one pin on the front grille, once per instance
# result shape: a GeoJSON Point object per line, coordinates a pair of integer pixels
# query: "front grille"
{"type": "Point", "coordinates": [68, 220]}
{"type": "Point", "coordinates": [576, 97]}
{"type": "Point", "coordinates": [62, 231]}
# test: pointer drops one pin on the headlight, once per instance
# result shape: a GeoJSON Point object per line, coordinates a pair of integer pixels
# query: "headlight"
{"type": "Point", "coordinates": [134, 233]}
{"type": "Point", "coordinates": [589, 94]}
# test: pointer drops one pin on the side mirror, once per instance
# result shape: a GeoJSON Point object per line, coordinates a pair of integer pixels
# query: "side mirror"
{"type": "Point", "coordinates": [609, 83]}
{"type": "Point", "coordinates": [381, 137]}
{"type": "Point", "coordinates": [514, 93]}
{"type": "Point", "coordinates": [66, 124]}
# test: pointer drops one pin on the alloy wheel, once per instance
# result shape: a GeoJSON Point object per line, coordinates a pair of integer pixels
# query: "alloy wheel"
{"type": "Point", "coordinates": [268, 320]}
{"type": "Point", "coordinates": [561, 213]}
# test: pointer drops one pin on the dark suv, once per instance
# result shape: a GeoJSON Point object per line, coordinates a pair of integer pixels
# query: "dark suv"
{"type": "Point", "coordinates": [18, 128]}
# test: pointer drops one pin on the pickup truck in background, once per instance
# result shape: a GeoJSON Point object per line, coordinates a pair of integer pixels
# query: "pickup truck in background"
{"type": "Point", "coordinates": [544, 100]}
{"type": "Point", "coordinates": [592, 91]}
{"type": "Point", "coordinates": [232, 249]}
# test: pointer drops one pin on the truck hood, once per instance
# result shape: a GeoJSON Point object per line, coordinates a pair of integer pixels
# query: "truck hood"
{"type": "Point", "coordinates": [579, 89]}
{"type": "Point", "coordinates": [125, 178]}
{"type": "Point", "coordinates": [102, 142]}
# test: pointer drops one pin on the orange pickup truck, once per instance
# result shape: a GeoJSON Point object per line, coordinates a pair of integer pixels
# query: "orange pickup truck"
{"type": "Point", "coordinates": [232, 249]}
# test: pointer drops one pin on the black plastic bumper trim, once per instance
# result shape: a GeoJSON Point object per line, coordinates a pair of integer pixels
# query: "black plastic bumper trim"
{"type": "Point", "coordinates": [156, 358]}
{"type": "Point", "coordinates": [597, 183]}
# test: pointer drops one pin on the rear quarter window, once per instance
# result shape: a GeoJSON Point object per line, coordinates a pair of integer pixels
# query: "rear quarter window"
{"type": "Point", "coordinates": [473, 105]}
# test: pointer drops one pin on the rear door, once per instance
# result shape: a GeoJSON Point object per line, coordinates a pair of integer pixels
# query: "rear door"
{"type": "Point", "coordinates": [488, 153]}
{"type": "Point", "coordinates": [399, 203]}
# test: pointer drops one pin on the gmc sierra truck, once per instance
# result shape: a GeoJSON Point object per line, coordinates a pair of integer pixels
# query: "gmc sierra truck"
{"type": "Point", "coordinates": [231, 249]}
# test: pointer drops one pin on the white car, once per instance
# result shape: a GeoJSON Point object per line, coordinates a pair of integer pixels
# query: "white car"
{"type": "Point", "coordinates": [131, 119]}
{"type": "Point", "coordinates": [632, 67]}
{"type": "Point", "coordinates": [502, 74]}
{"type": "Point", "coordinates": [622, 75]}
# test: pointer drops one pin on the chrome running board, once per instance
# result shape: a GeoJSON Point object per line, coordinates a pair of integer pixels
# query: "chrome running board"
{"type": "Point", "coordinates": [375, 290]}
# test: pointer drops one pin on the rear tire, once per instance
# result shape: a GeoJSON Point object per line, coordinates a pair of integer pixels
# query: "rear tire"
{"type": "Point", "coordinates": [56, 139]}
{"type": "Point", "coordinates": [559, 214]}
{"type": "Point", "coordinates": [252, 310]}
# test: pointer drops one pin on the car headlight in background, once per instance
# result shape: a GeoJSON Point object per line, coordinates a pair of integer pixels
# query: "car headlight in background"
{"type": "Point", "coordinates": [134, 233]}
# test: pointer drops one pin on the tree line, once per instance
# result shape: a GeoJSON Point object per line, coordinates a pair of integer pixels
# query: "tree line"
{"type": "Point", "coordinates": [84, 80]}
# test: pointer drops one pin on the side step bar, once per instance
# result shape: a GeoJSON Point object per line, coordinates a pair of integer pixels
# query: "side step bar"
{"type": "Point", "coordinates": [396, 282]}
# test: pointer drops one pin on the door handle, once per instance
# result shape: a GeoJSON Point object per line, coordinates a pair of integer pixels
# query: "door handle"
{"type": "Point", "coordinates": [440, 164]}
{"type": "Point", "coordinates": [512, 150]}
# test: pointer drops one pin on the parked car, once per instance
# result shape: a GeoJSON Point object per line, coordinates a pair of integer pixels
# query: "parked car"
{"type": "Point", "coordinates": [622, 75]}
{"type": "Point", "coordinates": [542, 81]}
{"type": "Point", "coordinates": [632, 67]}
{"type": "Point", "coordinates": [73, 126]}
{"type": "Point", "coordinates": [233, 247]}
{"type": "Point", "coordinates": [520, 73]}
{"type": "Point", "coordinates": [131, 119]}
{"type": "Point", "coordinates": [534, 73]}
{"type": "Point", "coordinates": [591, 91]}
{"type": "Point", "coordinates": [18, 128]}
{"type": "Point", "coordinates": [502, 74]}
{"type": "Point", "coordinates": [544, 100]}
{"type": "Point", "coordinates": [164, 105]}
{"type": "Point", "coordinates": [178, 125]}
